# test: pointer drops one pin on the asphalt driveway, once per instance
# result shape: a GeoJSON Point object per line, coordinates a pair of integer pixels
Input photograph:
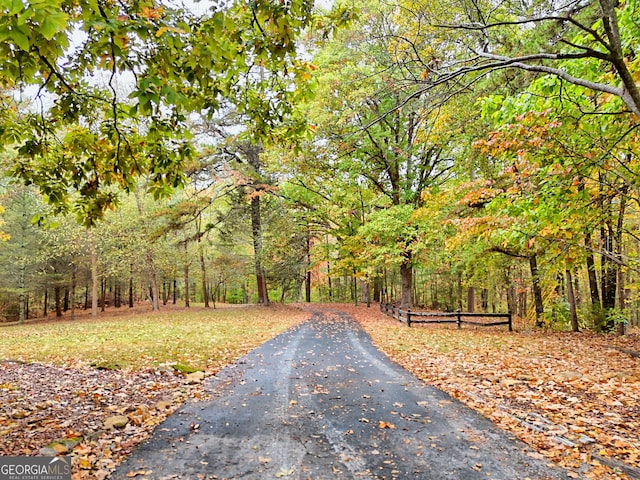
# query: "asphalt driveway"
{"type": "Point", "coordinates": [321, 402]}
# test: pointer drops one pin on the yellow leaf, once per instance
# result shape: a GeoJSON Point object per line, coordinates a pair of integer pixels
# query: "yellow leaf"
{"type": "Point", "coordinates": [285, 472]}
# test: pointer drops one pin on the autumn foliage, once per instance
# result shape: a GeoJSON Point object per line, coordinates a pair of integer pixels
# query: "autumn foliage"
{"type": "Point", "coordinates": [572, 397]}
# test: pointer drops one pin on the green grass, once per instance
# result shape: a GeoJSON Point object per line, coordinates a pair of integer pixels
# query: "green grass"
{"type": "Point", "coordinates": [197, 339]}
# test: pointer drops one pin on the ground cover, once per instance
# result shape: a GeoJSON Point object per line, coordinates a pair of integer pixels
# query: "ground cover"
{"type": "Point", "coordinates": [575, 398]}
{"type": "Point", "coordinates": [99, 387]}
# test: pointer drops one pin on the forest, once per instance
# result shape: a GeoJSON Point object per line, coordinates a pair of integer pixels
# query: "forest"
{"type": "Point", "coordinates": [461, 155]}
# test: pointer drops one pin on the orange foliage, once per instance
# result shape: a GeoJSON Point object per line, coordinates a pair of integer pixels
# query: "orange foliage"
{"type": "Point", "coordinates": [572, 397]}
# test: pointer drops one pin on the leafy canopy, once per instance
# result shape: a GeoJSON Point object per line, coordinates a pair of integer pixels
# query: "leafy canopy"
{"type": "Point", "coordinates": [112, 85]}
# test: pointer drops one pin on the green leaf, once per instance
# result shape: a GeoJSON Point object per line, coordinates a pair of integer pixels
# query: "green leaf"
{"type": "Point", "coordinates": [5, 35]}
{"type": "Point", "coordinates": [48, 29]}
{"type": "Point", "coordinates": [21, 40]}
{"type": "Point", "coordinates": [16, 6]}
{"type": "Point", "coordinates": [52, 24]}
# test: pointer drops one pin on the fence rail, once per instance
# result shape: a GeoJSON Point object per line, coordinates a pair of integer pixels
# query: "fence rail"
{"type": "Point", "coordinates": [411, 317]}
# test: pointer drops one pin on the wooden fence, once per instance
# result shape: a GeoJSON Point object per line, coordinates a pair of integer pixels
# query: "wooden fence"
{"type": "Point", "coordinates": [458, 318]}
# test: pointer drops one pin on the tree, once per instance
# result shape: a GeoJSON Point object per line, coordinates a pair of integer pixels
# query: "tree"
{"type": "Point", "coordinates": [557, 186]}
{"type": "Point", "coordinates": [21, 257]}
{"type": "Point", "coordinates": [454, 44]}
{"type": "Point", "coordinates": [251, 157]}
{"type": "Point", "coordinates": [396, 151]}
{"type": "Point", "coordinates": [86, 137]}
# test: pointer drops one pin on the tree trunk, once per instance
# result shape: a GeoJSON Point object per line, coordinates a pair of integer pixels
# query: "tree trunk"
{"type": "Point", "coordinates": [522, 304]}
{"type": "Point", "coordinates": [252, 153]}
{"type": "Point", "coordinates": [571, 298]}
{"type": "Point", "coordinates": [103, 294]}
{"type": "Point", "coordinates": [165, 292]}
{"type": "Point", "coordinates": [175, 291]}
{"type": "Point", "coordinates": [155, 303]}
{"type": "Point", "coordinates": [365, 295]}
{"type": "Point", "coordinates": [307, 287]}
{"type": "Point", "coordinates": [537, 290]}
{"type": "Point", "coordinates": [245, 295]}
{"type": "Point", "coordinates": [406, 279]}
{"type": "Point", "coordinates": [22, 313]}
{"type": "Point", "coordinates": [94, 274]}
{"type": "Point", "coordinates": [608, 268]}
{"type": "Point", "coordinates": [377, 288]}
{"type": "Point", "coordinates": [203, 272]}
{"type": "Point", "coordinates": [621, 304]}
{"type": "Point", "coordinates": [285, 289]}
{"type": "Point", "coordinates": [150, 260]}
{"type": "Point", "coordinates": [484, 299]}
{"type": "Point", "coordinates": [58, 300]}
{"type": "Point", "coordinates": [594, 291]}
{"type": "Point", "coordinates": [512, 298]}
{"type": "Point", "coordinates": [74, 276]}
{"type": "Point", "coordinates": [630, 91]}
{"type": "Point", "coordinates": [203, 265]}
{"type": "Point", "coordinates": [187, 293]}
{"type": "Point", "coordinates": [471, 300]}
{"type": "Point", "coordinates": [591, 271]}
{"type": "Point", "coordinates": [21, 307]}
{"type": "Point", "coordinates": [131, 303]}
{"type": "Point", "coordinates": [621, 326]}
{"type": "Point", "coordinates": [354, 289]}
{"type": "Point", "coordinates": [256, 229]}
{"type": "Point", "coordinates": [307, 275]}
{"type": "Point", "coordinates": [117, 294]}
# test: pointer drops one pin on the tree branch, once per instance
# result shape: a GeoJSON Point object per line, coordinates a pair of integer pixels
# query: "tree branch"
{"type": "Point", "coordinates": [555, 18]}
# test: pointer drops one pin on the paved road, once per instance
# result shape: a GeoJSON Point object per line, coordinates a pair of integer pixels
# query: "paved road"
{"type": "Point", "coordinates": [321, 402]}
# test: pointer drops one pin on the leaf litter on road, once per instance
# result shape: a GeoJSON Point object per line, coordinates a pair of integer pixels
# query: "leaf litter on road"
{"type": "Point", "coordinates": [52, 402]}
{"type": "Point", "coordinates": [574, 398]}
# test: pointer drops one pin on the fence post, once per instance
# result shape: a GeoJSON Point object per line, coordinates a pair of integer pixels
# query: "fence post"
{"type": "Point", "coordinates": [408, 317]}
{"type": "Point", "coordinates": [459, 319]}
{"type": "Point", "coordinates": [510, 323]}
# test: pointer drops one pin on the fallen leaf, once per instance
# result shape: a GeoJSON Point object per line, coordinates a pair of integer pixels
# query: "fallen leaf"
{"type": "Point", "coordinates": [132, 473]}
{"type": "Point", "coordinates": [285, 472]}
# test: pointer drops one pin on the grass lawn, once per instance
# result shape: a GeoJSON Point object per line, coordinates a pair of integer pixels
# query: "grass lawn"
{"type": "Point", "coordinates": [195, 338]}
{"type": "Point", "coordinates": [539, 386]}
